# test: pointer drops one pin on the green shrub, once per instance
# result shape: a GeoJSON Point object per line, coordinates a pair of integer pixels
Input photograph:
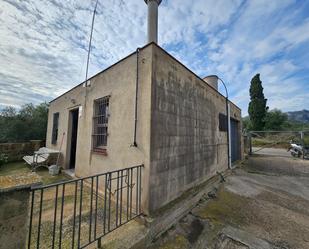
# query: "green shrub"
{"type": "Point", "coordinates": [306, 140]}
{"type": "Point", "coordinates": [3, 159]}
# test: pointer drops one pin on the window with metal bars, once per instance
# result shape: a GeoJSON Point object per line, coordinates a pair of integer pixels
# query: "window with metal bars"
{"type": "Point", "coordinates": [55, 128]}
{"type": "Point", "coordinates": [100, 124]}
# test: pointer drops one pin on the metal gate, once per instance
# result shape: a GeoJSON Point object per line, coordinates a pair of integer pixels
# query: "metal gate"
{"type": "Point", "coordinates": [79, 212]}
{"type": "Point", "coordinates": [235, 141]}
{"type": "Point", "coordinates": [277, 143]}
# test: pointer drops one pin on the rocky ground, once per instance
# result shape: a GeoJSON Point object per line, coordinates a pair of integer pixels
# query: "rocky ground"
{"type": "Point", "coordinates": [252, 209]}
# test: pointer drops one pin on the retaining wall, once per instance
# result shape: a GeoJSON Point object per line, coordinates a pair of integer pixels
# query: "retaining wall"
{"type": "Point", "coordinates": [16, 151]}
{"type": "Point", "coordinates": [14, 209]}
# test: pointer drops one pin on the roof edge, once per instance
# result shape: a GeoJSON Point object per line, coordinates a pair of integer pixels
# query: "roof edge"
{"type": "Point", "coordinates": [195, 74]}
{"type": "Point", "coordinates": [147, 45]}
{"type": "Point", "coordinates": [102, 71]}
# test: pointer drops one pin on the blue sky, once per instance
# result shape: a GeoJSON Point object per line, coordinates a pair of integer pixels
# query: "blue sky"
{"type": "Point", "coordinates": [43, 44]}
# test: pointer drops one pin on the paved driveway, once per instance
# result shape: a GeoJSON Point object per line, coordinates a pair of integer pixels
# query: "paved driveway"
{"type": "Point", "coordinates": [251, 210]}
{"type": "Point", "coordinates": [271, 151]}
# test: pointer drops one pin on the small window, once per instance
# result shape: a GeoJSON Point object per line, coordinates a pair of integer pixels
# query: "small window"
{"type": "Point", "coordinates": [222, 122]}
{"type": "Point", "coordinates": [55, 128]}
{"type": "Point", "coordinates": [100, 124]}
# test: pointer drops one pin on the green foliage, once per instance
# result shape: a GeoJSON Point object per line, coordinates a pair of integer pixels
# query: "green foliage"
{"type": "Point", "coordinates": [298, 126]}
{"type": "Point", "coordinates": [276, 120]}
{"type": "Point", "coordinates": [29, 123]}
{"type": "Point", "coordinates": [257, 106]}
{"type": "Point", "coordinates": [246, 123]}
{"type": "Point", "coordinates": [306, 139]}
{"type": "Point", "coordinates": [3, 159]}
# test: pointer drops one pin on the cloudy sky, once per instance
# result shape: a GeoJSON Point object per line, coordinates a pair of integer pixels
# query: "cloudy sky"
{"type": "Point", "coordinates": [43, 45]}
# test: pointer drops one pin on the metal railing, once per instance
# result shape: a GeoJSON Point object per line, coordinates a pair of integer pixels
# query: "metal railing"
{"type": "Point", "coordinates": [79, 212]}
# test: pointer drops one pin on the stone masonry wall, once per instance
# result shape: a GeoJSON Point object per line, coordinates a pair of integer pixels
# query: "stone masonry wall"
{"type": "Point", "coordinates": [186, 145]}
{"type": "Point", "coordinates": [16, 151]}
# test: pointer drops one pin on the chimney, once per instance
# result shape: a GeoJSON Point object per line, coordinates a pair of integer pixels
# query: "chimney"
{"type": "Point", "coordinates": [153, 20]}
{"type": "Point", "coordinates": [212, 80]}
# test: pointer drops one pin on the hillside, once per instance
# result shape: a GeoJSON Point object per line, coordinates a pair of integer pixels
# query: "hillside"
{"type": "Point", "coordinates": [299, 116]}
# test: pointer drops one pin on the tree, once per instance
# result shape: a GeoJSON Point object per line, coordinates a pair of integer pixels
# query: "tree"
{"type": "Point", "coordinates": [7, 120]}
{"type": "Point", "coordinates": [276, 120]}
{"type": "Point", "coordinates": [246, 124]}
{"type": "Point", "coordinates": [8, 112]}
{"type": "Point", "coordinates": [29, 123]}
{"type": "Point", "coordinates": [257, 107]}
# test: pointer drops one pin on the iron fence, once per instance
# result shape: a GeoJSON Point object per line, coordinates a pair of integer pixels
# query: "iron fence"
{"type": "Point", "coordinates": [79, 212]}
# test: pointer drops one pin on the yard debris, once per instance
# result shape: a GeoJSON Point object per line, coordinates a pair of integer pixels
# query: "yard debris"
{"type": "Point", "coordinates": [53, 170]}
{"type": "Point", "coordinates": [222, 179]}
{"type": "Point", "coordinates": [213, 193]}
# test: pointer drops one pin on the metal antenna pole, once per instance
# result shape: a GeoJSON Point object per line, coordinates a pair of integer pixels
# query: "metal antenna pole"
{"type": "Point", "coordinates": [90, 40]}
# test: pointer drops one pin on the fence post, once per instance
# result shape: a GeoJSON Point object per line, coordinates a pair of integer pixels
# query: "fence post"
{"type": "Point", "coordinates": [250, 143]}
{"type": "Point", "coordinates": [302, 136]}
{"type": "Point", "coordinates": [99, 244]}
{"type": "Point", "coordinates": [302, 143]}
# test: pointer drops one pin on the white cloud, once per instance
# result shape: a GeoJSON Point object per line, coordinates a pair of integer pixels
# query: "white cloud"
{"type": "Point", "coordinates": [43, 44]}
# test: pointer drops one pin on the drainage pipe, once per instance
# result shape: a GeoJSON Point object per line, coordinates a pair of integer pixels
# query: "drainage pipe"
{"type": "Point", "coordinates": [229, 135]}
{"type": "Point", "coordinates": [136, 97]}
{"type": "Point", "coordinates": [214, 81]}
{"type": "Point", "coordinates": [228, 118]}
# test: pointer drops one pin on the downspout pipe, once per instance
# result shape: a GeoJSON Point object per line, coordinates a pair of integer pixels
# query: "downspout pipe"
{"type": "Point", "coordinates": [136, 97]}
{"type": "Point", "coordinates": [228, 119]}
{"type": "Point", "coordinates": [229, 134]}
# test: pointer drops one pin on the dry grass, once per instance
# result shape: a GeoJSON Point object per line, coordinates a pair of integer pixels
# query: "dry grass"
{"type": "Point", "coordinates": [92, 221]}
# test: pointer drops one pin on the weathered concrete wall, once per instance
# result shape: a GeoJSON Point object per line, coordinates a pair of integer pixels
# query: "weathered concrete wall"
{"type": "Point", "coordinates": [118, 81]}
{"type": "Point", "coordinates": [14, 209]}
{"type": "Point", "coordinates": [14, 219]}
{"type": "Point", "coordinates": [186, 144]}
{"type": "Point", "coordinates": [16, 151]}
{"type": "Point", "coordinates": [177, 127]}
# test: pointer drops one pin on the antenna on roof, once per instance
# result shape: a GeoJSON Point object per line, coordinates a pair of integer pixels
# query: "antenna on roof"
{"type": "Point", "coordinates": [90, 40]}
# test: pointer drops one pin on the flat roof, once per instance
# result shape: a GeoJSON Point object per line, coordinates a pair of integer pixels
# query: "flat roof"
{"type": "Point", "coordinates": [151, 43]}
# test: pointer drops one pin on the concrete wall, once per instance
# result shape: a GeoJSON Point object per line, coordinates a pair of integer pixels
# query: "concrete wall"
{"type": "Point", "coordinates": [118, 81]}
{"type": "Point", "coordinates": [186, 144]}
{"type": "Point", "coordinates": [14, 209]}
{"type": "Point", "coordinates": [16, 151]}
{"type": "Point", "coordinates": [177, 127]}
{"type": "Point", "coordinates": [14, 219]}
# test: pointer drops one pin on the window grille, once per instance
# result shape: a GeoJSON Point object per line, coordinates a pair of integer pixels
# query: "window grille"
{"type": "Point", "coordinates": [222, 122]}
{"type": "Point", "coordinates": [100, 124]}
{"type": "Point", "coordinates": [55, 128]}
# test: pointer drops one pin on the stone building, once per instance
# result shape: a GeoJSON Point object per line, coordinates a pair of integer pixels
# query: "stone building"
{"type": "Point", "coordinates": [148, 109]}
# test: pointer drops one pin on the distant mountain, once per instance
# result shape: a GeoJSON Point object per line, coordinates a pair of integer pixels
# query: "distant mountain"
{"type": "Point", "coordinates": [299, 116]}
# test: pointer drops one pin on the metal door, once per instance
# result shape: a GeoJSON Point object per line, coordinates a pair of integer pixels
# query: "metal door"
{"type": "Point", "coordinates": [235, 140]}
